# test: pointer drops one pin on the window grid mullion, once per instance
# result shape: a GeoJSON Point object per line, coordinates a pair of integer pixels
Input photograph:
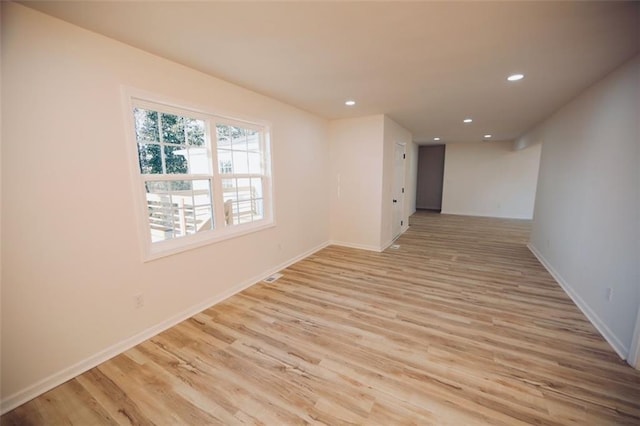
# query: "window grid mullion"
{"type": "Point", "coordinates": [161, 143]}
{"type": "Point", "coordinates": [167, 177]}
{"type": "Point", "coordinates": [217, 200]}
{"type": "Point", "coordinates": [241, 175]}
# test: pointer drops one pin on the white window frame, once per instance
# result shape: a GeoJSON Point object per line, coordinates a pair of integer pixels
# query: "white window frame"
{"type": "Point", "coordinates": [153, 250]}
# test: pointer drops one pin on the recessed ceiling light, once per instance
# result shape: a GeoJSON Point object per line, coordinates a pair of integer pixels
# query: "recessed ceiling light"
{"type": "Point", "coordinates": [436, 139]}
{"type": "Point", "coordinates": [515, 77]}
{"type": "Point", "coordinates": [350, 103]}
{"type": "Point", "coordinates": [467, 120]}
{"type": "Point", "coordinates": [487, 136]}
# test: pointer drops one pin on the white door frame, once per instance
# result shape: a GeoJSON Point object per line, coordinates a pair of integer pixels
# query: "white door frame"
{"type": "Point", "coordinates": [398, 196]}
{"type": "Point", "coordinates": [634, 352]}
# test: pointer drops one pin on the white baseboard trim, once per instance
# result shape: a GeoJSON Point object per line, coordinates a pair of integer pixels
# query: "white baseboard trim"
{"type": "Point", "coordinates": [380, 249]}
{"type": "Point", "coordinates": [476, 214]}
{"type": "Point", "coordinates": [56, 379]}
{"type": "Point", "coordinates": [605, 331]}
{"type": "Point", "coordinates": [355, 246]}
{"type": "Point", "coordinates": [388, 244]}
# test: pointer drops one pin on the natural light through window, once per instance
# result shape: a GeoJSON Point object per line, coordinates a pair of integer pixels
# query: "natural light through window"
{"type": "Point", "coordinates": [241, 169]}
{"type": "Point", "coordinates": [202, 177]}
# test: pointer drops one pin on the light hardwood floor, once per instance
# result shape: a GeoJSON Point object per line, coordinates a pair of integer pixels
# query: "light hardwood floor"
{"type": "Point", "coordinates": [459, 326]}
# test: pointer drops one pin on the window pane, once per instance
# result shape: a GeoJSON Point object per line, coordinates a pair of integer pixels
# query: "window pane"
{"type": "Point", "coordinates": [256, 187]}
{"type": "Point", "coordinates": [160, 209]}
{"type": "Point", "coordinates": [157, 186]}
{"type": "Point", "coordinates": [172, 129]}
{"type": "Point", "coordinates": [195, 132]}
{"type": "Point", "coordinates": [240, 162]}
{"type": "Point", "coordinates": [258, 209]}
{"type": "Point", "coordinates": [225, 163]}
{"type": "Point", "coordinates": [223, 133]}
{"type": "Point", "coordinates": [179, 207]}
{"type": "Point", "coordinates": [239, 150]}
{"type": "Point", "coordinates": [255, 163]}
{"type": "Point", "coordinates": [146, 123]}
{"type": "Point", "coordinates": [228, 186]}
{"type": "Point", "coordinates": [198, 160]}
{"type": "Point", "coordinates": [149, 158]}
{"type": "Point", "coordinates": [244, 189]}
{"type": "Point", "coordinates": [203, 218]}
{"type": "Point", "coordinates": [253, 140]}
{"type": "Point", "coordinates": [180, 185]}
{"type": "Point", "coordinates": [243, 200]}
{"type": "Point", "coordinates": [229, 189]}
{"type": "Point", "coordinates": [201, 193]}
{"type": "Point", "coordinates": [238, 189]}
{"type": "Point", "coordinates": [228, 212]}
{"type": "Point", "coordinates": [238, 139]}
{"type": "Point", "coordinates": [175, 159]}
{"type": "Point", "coordinates": [245, 211]}
{"type": "Point", "coordinates": [243, 196]}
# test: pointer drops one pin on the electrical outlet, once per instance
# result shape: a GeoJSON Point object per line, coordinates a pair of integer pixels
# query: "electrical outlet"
{"type": "Point", "coordinates": [609, 294]}
{"type": "Point", "coordinates": [138, 301]}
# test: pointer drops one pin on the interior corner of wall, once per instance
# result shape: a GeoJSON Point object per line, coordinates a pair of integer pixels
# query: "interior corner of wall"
{"type": "Point", "coordinates": [530, 138]}
{"type": "Point", "coordinates": [520, 143]}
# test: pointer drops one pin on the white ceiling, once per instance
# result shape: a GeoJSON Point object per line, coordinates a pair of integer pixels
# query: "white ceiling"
{"type": "Point", "coordinates": [427, 65]}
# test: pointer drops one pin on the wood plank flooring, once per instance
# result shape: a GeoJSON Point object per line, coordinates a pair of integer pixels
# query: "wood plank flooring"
{"type": "Point", "coordinates": [459, 326]}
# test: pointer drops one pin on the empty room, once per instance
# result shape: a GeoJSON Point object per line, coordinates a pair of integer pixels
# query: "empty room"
{"type": "Point", "coordinates": [328, 213]}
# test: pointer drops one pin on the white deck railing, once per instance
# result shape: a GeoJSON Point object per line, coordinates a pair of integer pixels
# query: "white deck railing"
{"type": "Point", "coordinates": [179, 213]}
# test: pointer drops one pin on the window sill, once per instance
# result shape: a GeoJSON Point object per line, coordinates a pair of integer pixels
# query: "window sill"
{"type": "Point", "coordinates": [162, 249]}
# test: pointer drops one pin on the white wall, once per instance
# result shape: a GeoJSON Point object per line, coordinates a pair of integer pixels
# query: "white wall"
{"type": "Point", "coordinates": [586, 225]}
{"type": "Point", "coordinates": [490, 179]}
{"type": "Point", "coordinates": [70, 250]}
{"type": "Point", "coordinates": [394, 133]}
{"type": "Point", "coordinates": [356, 181]}
{"type": "Point", "coordinates": [362, 173]}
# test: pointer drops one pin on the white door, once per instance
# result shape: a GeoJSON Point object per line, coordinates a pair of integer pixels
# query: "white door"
{"type": "Point", "coordinates": [398, 190]}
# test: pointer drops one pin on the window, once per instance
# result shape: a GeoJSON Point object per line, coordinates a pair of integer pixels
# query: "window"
{"type": "Point", "coordinates": [201, 178]}
{"type": "Point", "coordinates": [240, 159]}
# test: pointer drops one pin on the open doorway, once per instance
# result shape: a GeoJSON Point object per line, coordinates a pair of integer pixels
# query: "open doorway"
{"type": "Point", "coordinates": [430, 177]}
